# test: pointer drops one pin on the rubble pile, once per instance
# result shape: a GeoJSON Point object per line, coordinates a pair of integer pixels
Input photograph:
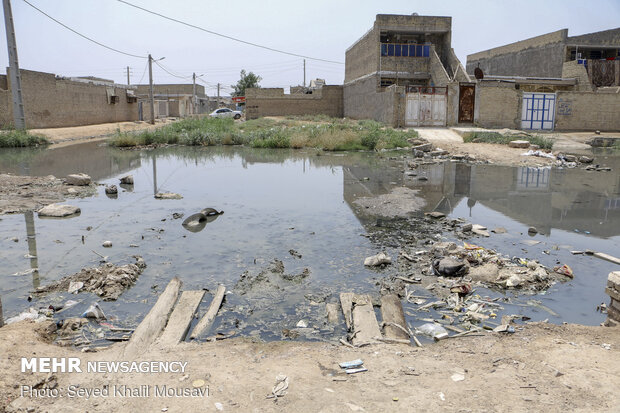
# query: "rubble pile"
{"type": "Point", "coordinates": [108, 281]}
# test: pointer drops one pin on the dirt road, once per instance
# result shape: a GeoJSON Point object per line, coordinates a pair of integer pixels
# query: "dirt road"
{"type": "Point", "coordinates": [542, 367]}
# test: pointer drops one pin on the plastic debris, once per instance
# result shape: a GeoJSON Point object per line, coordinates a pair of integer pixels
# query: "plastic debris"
{"type": "Point", "coordinates": [94, 311]}
{"type": "Point", "coordinates": [351, 364]}
{"type": "Point", "coordinates": [564, 270]}
{"type": "Point", "coordinates": [75, 287]}
{"type": "Point", "coordinates": [433, 330]}
{"type": "Point", "coordinates": [539, 153]}
{"type": "Point", "coordinates": [279, 389]}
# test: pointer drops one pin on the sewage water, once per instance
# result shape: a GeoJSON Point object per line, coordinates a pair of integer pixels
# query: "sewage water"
{"type": "Point", "coordinates": [278, 200]}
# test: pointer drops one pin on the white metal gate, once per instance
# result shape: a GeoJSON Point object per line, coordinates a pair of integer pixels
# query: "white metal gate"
{"type": "Point", "coordinates": [538, 111]}
{"type": "Point", "coordinates": [426, 106]}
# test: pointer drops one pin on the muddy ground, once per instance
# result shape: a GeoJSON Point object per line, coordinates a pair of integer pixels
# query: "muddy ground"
{"type": "Point", "coordinates": [19, 194]}
{"type": "Point", "coordinates": [540, 367]}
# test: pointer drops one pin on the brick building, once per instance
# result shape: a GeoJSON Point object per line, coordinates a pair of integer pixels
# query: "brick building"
{"type": "Point", "coordinates": [404, 72]}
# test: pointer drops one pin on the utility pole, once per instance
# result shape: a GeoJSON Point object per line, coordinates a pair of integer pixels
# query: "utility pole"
{"type": "Point", "coordinates": [151, 97]}
{"type": "Point", "coordinates": [194, 92]}
{"type": "Point", "coordinates": [128, 82]}
{"type": "Point", "coordinates": [16, 78]}
{"type": "Point", "coordinates": [304, 72]}
{"type": "Point", "coordinates": [218, 94]}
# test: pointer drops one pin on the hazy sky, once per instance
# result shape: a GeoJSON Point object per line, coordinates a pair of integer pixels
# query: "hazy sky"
{"type": "Point", "coordinates": [322, 29]}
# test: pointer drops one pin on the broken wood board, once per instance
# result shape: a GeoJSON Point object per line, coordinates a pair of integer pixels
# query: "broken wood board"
{"type": "Point", "coordinates": [181, 318]}
{"type": "Point", "coordinates": [364, 321]}
{"type": "Point", "coordinates": [346, 301]}
{"type": "Point", "coordinates": [607, 257]}
{"type": "Point", "coordinates": [393, 315]}
{"type": "Point", "coordinates": [207, 319]}
{"type": "Point", "coordinates": [152, 325]}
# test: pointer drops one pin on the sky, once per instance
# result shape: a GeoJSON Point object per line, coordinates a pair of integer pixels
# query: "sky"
{"type": "Point", "coordinates": [321, 29]}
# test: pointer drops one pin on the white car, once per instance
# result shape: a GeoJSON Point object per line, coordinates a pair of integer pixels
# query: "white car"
{"type": "Point", "coordinates": [225, 113]}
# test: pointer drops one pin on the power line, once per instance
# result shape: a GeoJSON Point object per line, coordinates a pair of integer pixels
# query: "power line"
{"type": "Point", "coordinates": [170, 73]}
{"type": "Point", "coordinates": [80, 34]}
{"type": "Point", "coordinates": [226, 36]}
{"type": "Point", "coordinates": [143, 72]}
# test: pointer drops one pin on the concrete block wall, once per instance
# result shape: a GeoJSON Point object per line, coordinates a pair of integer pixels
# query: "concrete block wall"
{"type": "Point", "coordinates": [606, 37]}
{"type": "Point", "coordinates": [363, 57]}
{"type": "Point", "coordinates": [273, 102]}
{"type": "Point", "coordinates": [458, 71]}
{"type": "Point", "coordinates": [588, 111]}
{"type": "Point", "coordinates": [572, 70]}
{"type": "Point", "coordinates": [364, 100]}
{"type": "Point", "coordinates": [497, 105]}
{"type": "Point", "coordinates": [51, 102]}
{"type": "Point", "coordinates": [438, 73]}
{"type": "Point", "coordinates": [541, 56]}
{"type": "Point", "coordinates": [404, 64]}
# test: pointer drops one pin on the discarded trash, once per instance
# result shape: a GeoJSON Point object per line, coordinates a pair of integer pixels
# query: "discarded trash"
{"type": "Point", "coordinates": [351, 364]}
{"type": "Point", "coordinates": [74, 287]}
{"type": "Point", "coordinates": [449, 267]}
{"type": "Point", "coordinates": [302, 324]}
{"type": "Point", "coordinates": [30, 314]}
{"type": "Point", "coordinates": [504, 328]}
{"type": "Point", "coordinates": [532, 231]}
{"type": "Point", "coordinates": [356, 370]}
{"type": "Point", "coordinates": [279, 389]}
{"type": "Point", "coordinates": [433, 330]}
{"type": "Point", "coordinates": [294, 253]}
{"type": "Point", "coordinates": [94, 311]}
{"type": "Point", "coordinates": [198, 221]}
{"type": "Point", "coordinates": [480, 230]}
{"type": "Point", "coordinates": [564, 270]}
{"type": "Point", "coordinates": [539, 153]}
{"type": "Point", "coordinates": [375, 260]}
{"type": "Point", "coordinates": [198, 383]}
{"type": "Point", "coordinates": [461, 289]}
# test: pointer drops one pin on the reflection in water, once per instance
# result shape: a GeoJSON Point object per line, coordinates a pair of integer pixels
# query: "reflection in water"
{"type": "Point", "coordinates": [32, 248]}
{"type": "Point", "coordinates": [278, 200]}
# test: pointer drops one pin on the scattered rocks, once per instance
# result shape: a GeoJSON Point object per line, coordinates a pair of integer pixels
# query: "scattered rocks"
{"type": "Point", "coordinates": [108, 281]}
{"type": "Point", "coordinates": [376, 260]}
{"type": "Point", "coordinates": [78, 179]}
{"type": "Point", "coordinates": [271, 278]}
{"type": "Point", "coordinates": [111, 189]}
{"type": "Point", "coordinates": [467, 227]}
{"type": "Point", "coordinates": [499, 230]}
{"type": "Point", "coordinates": [480, 230]}
{"type": "Point", "coordinates": [58, 211]}
{"type": "Point", "coordinates": [435, 214]}
{"type": "Point", "coordinates": [585, 159]}
{"type": "Point", "coordinates": [519, 144]}
{"type": "Point", "coordinates": [127, 180]}
{"type": "Point", "coordinates": [425, 147]}
{"type": "Point", "coordinates": [532, 231]}
{"type": "Point", "coordinates": [400, 202]}
{"type": "Point", "coordinates": [107, 244]}
{"type": "Point", "coordinates": [294, 253]}
{"type": "Point", "coordinates": [167, 195]}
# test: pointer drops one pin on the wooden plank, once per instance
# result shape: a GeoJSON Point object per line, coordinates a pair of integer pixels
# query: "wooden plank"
{"type": "Point", "coordinates": [154, 322]}
{"type": "Point", "coordinates": [332, 313]}
{"type": "Point", "coordinates": [181, 318]}
{"type": "Point", "coordinates": [364, 321]}
{"type": "Point", "coordinates": [607, 257]}
{"type": "Point", "coordinates": [207, 319]}
{"type": "Point", "coordinates": [346, 301]}
{"type": "Point", "coordinates": [392, 313]}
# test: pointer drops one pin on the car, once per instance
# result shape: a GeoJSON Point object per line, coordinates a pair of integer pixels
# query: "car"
{"type": "Point", "coordinates": [225, 113]}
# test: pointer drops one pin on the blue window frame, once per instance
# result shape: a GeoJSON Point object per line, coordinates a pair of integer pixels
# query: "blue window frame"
{"type": "Point", "coordinates": [427, 51]}
{"type": "Point", "coordinates": [405, 51]}
{"type": "Point", "coordinates": [390, 50]}
{"type": "Point", "coordinates": [383, 49]}
{"type": "Point", "coordinates": [412, 50]}
{"type": "Point", "coordinates": [418, 50]}
{"type": "Point", "coordinates": [397, 49]}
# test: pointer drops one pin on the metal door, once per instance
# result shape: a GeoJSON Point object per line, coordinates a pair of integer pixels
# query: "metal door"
{"type": "Point", "coordinates": [426, 106]}
{"type": "Point", "coordinates": [538, 111]}
{"type": "Point", "coordinates": [467, 94]}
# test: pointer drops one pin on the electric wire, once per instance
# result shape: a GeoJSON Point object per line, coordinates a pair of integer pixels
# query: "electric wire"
{"type": "Point", "coordinates": [80, 34]}
{"type": "Point", "coordinates": [226, 36]}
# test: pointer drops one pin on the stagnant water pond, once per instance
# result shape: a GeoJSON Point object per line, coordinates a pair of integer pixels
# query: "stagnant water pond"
{"type": "Point", "coordinates": [278, 200]}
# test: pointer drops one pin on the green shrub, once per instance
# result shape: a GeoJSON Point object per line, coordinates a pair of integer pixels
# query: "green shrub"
{"type": "Point", "coordinates": [17, 138]}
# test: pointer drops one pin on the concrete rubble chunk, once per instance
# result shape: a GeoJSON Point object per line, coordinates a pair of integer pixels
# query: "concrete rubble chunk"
{"type": "Point", "coordinates": [127, 180]}
{"type": "Point", "coordinates": [78, 179]}
{"type": "Point", "coordinates": [167, 195]}
{"type": "Point", "coordinates": [480, 230]}
{"type": "Point", "coordinates": [58, 211]}
{"type": "Point", "coordinates": [519, 144]}
{"type": "Point", "coordinates": [375, 260]}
